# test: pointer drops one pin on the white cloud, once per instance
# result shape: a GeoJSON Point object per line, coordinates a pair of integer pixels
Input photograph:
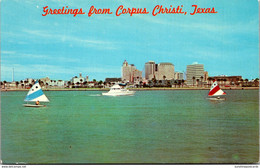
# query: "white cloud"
{"type": "Point", "coordinates": [8, 52]}
{"type": "Point", "coordinates": [81, 41]}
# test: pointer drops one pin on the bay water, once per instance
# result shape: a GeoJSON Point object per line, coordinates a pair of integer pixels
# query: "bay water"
{"type": "Point", "coordinates": [164, 126]}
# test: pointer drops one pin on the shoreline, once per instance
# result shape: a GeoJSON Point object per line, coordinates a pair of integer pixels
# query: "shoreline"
{"type": "Point", "coordinates": [134, 89]}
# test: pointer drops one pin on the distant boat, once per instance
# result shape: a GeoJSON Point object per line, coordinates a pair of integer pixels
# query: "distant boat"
{"type": "Point", "coordinates": [215, 92]}
{"type": "Point", "coordinates": [36, 95]}
{"type": "Point", "coordinates": [116, 90]}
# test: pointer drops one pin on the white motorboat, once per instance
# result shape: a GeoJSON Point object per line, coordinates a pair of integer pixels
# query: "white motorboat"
{"type": "Point", "coordinates": [116, 90]}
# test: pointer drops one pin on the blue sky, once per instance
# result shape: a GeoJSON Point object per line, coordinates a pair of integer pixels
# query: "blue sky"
{"type": "Point", "coordinates": [62, 46]}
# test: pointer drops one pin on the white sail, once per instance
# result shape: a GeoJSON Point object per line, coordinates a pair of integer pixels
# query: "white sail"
{"type": "Point", "coordinates": [215, 90]}
{"type": "Point", "coordinates": [36, 94]}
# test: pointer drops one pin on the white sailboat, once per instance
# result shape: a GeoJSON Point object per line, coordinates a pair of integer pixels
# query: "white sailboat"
{"type": "Point", "coordinates": [36, 95]}
{"type": "Point", "coordinates": [215, 92]}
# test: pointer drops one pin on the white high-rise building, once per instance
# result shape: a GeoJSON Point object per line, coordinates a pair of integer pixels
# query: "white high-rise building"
{"type": "Point", "coordinates": [194, 72]}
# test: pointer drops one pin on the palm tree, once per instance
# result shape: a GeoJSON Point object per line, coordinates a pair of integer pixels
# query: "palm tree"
{"type": "Point", "coordinates": [222, 81]}
{"type": "Point", "coordinates": [4, 83]}
{"type": "Point", "coordinates": [193, 79]}
{"type": "Point", "coordinates": [141, 83]}
{"type": "Point", "coordinates": [154, 80]}
{"type": "Point", "coordinates": [69, 83]}
{"type": "Point", "coordinates": [100, 82]}
{"type": "Point", "coordinates": [256, 82]}
{"type": "Point", "coordinates": [218, 81]}
{"type": "Point", "coordinates": [182, 82]}
{"type": "Point", "coordinates": [81, 80]}
{"type": "Point", "coordinates": [242, 82]}
{"type": "Point", "coordinates": [164, 77]}
{"type": "Point", "coordinates": [168, 83]}
{"type": "Point", "coordinates": [149, 82]}
{"type": "Point", "coordinates": [246, 81]}
{"type": "Point", "coordinates": [41, 83]}
{"type": "Point", "coordinates": [197, 82]}
{"type": "Point", "coordinates": [201, 78]}
{"type": "Point", "coordinates": [16, 83]}
{"type": "Point", "coordinates": [209, 81]}
{"type": "Point", "coordinates": [85, 83]}
{"type": "Point", "coordinates": [225, 80]}
{"type": "Point", "coordinates": [160, 83]}
{"type": "Point", "coordinates": [179, 83]}
{"type": "Point", "coordinates": [175, 82]}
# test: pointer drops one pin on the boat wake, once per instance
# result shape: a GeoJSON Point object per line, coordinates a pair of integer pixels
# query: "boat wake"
{"type": "Point", "coordinates": [95, 95]}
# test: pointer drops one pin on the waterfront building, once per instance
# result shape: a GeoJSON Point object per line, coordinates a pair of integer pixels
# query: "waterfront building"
{"type": "Point", "coordinates": [46, 80]}
{"type": "Point", "coordinates": [57, 83]}
{"type": "Point", "coordinates": [78, 80]}
{"type": "Point", "coordinates": [150, 68]}
{"type": "Point", "coordinates": [165, 71]}
{"type": "Point", "coordinates": [91, 84]}
{"type": "Point", "coordinates": [194, 73]}
{"type": "Point", "coordinates": [227, 80]}
{"type": "Point", "coordinates": [137, 75]}
{"type": "Point", "coordinates": [52, 83]}
{"type": "Point", "coordinates": [112, 80]}
{"type": "Point", "coordinates": [29, 80]}
{"type": "Point", "coordinates": [130, 73]}
{"type": "Point", "coordinates": [161, 71]}
{"type": "Point", "coordinates": [179, 76]}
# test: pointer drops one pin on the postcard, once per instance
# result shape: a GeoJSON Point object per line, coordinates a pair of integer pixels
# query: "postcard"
{"type": "Point", "coordinates": [129, 82]}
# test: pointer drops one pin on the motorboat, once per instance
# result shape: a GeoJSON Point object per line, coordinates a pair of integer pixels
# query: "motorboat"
{"type": "Point", "coordinates": [116, 90]}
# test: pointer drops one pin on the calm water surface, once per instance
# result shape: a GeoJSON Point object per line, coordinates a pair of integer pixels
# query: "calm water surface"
{"type": "Point", "coordinates": [149, 127]}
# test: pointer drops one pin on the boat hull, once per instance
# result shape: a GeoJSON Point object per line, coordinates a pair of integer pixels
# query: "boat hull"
{"type": "Point", "coordinates": [33, 105]}
{"type": "Point", "coordinates": [129, 93]}
{"type": "Point", "coordinates": [215, 98]}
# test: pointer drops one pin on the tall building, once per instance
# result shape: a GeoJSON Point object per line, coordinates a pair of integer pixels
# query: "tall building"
{"type": "Point", "coordinates": [206, 76]}
{"type": "Point", "coordinates": [165, 71]}
{"type": "Point", "coordinates": [195, 70]}
{"type": "Point", "coordinates": [150, 68]}
{"type": "Point", "coordinates": [130, 73]}
{"type": "Point", "coordinates": [159, 71]}
{"type": "Point", "coordinates": [179, 75]}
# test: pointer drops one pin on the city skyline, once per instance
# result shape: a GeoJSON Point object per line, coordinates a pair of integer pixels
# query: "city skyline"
{"type": "Point", "coordinates": [62, 46]}
{"type": "Point", "coordinates": [174, 76]}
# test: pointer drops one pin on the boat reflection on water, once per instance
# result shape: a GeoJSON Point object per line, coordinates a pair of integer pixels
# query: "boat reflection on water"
{"type": "Point", "coordinates": [118, 90]}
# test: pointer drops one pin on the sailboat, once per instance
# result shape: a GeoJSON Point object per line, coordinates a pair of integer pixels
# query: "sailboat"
{"type": "Point", "coordinates": [215, 92]}
{"type": "Point", "coordinates": [36, 95]}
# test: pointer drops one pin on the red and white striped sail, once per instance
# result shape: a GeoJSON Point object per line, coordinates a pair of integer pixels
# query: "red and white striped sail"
{"type": "Point", "coordinates": [215, 90]}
